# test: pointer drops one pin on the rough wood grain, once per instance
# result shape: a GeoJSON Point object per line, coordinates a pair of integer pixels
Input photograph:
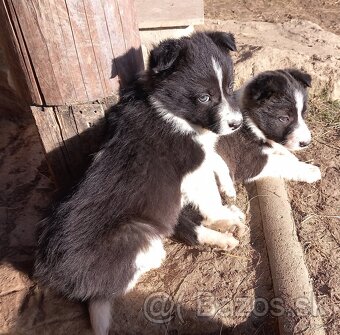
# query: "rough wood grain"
{"type": "Point", "coordinates": [58, 52]}
{"type": "Point", "coordinates": [85, 50]}
{"type": "Point", "coordinates": [90, 121]}
{"type": "Point", "coordinates": [72, 67]}
{"type": "Point", "coordinates": [16, 54]}
{"type": "Point", "coordinates": [71, 143]}
{"type": "Point", "coordinates": [73, 51]}
{"type": "Point", "coordinates": [31, 17]}
{"type": "Point", "coordinates": [118, 45]}
{"type": "Point", "coordinates": [18, 71]}
{"type": "Point", "coordinates": [52, 143]}
{"type": "Point", "coordinates": [134, 63]}
{"type": "Point", "coordinates": [70, 135]}
{"type": "Point", "coordinates": [101, 42]}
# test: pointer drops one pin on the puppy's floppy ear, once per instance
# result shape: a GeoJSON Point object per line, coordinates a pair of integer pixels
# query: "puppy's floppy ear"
{"type": "Point", "coordinates": [225, 41]}
{"type": "Point", "coordinates": [304, 78]}
{"type": "Point", "coordinates": [164, 55]}
{"type": "Point", "coordinates": [264, 86]}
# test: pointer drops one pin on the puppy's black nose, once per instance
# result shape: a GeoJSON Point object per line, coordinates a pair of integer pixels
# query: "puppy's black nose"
{"type": "Point", "coordinates": [304, 144]}
{"type": "Point", "coordinates": [234, 124]}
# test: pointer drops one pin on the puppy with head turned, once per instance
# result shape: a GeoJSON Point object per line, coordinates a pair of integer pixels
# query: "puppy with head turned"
{"type": "Point", "coordinates": [109, 231]}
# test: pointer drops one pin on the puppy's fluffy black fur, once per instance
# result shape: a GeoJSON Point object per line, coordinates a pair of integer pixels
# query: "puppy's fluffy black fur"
{"type": "Point", "coordinates": [131, 193]}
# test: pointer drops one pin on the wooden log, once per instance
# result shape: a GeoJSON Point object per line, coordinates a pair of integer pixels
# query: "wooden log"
{"type": "Point", "coordinates": [52, 142]}
{"type": "Point", "coordinates": [70, 134]}
{"type": "Point", "coordinates": [69, 49]}
{"type": "Point", "coordinates": [73, 57]}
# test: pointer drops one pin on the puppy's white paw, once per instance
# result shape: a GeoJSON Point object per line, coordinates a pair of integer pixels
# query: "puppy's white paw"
{"type": "Point", "coordinates": [239, 229]}
{"type": "Point", "coordinates": [237, 212]}
{"type": "Point", "coordinates": [311, 173]}
{"type": "Point", "coordinates": [237, 225]}
{"type": "Point", "coordinates": [232, 221]}
{"type": "Point", "coordinates": [228, 242]}
{"type": "Point", "coordinates": [228, 189]}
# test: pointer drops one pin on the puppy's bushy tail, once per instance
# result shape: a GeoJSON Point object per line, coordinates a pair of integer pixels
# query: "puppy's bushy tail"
{"type": "Point", "coordinates": [100, 316]}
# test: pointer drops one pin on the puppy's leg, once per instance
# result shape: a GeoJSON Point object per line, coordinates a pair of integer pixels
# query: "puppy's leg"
{"type": "Point", "coordinates": [150, 257]}
{"type": "Point", "coordinates": [279, 149]}
{"type": "Point", "coordinates": [229, 218]}
{"type": "Point", "coordinates": [222, 171]}
{"type": "Point", "coordinates": [208, 236]}
{"type": "Point", "coordinates": [147, 259]}
{"type": "Point", "coordinates": [200, 188]}
{"type": "Point", "coordinates": [193, 234]}
{"type": "Point", "coordinates": [290, 168]}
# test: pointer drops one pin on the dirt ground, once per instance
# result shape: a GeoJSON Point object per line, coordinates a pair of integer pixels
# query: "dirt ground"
{"type": "Point", "coordinates": [198, 290]}
{"type": "Point", "coordinates": [316, 210]}
{"type": "Point", "coordinates": [324, 13]}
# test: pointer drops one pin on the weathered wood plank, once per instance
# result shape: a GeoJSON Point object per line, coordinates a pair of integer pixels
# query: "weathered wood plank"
{"type": "Point", "coordinates": [169, 13]}
{"type": "Point", "coordinates": [85, 52]}
{"type": "Point", "coordinates": [72, 67]}
{"type": "Point", "coordinates": [52, 143]}
{"type": "Point", "coordinates": [17, 54]}
{"type": "Point", "coordinates": [30, 13]}
{"type": "Point", "coordinates": [101, 45]}
{"type": "Point", "coordinates": [60, 61]}
{"type": "Point", "coordinates": [90, 121]}
{"type": "Point", "coordinates": [72, 146]}
{"type": "Point", "coordinates": [131, 36]}
{"type": "Point", "coordinates": [70, 134]}
{"type": "Point", "coordinates": [72, 52]}
{"type": "Point", "coordinates": [115, 31]}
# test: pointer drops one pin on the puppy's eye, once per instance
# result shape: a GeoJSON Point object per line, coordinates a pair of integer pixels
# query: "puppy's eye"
{"type": "Point", "coordinates": [284, 119]}
{"type": "Point", "coordinates": [204, 98]}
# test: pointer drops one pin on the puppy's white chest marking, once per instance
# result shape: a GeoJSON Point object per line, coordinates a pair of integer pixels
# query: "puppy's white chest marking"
{"type": "Point", "coordinates": [199, 187]}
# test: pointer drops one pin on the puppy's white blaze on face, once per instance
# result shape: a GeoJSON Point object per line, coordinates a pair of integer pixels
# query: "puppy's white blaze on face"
{"type": "Point", "coordinates": [228, 116]}
{"type": "Point", "coordinates": [300, 136]}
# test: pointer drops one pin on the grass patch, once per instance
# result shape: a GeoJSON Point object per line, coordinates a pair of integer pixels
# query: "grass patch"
{"type": "Point", "coordinates": [323, 110]}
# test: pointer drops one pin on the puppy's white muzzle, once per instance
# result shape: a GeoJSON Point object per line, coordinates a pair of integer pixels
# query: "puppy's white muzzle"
{"type": "Point", "coordinates": [231, 119]}
{"type": "Point", "coordinates": [300, 138]}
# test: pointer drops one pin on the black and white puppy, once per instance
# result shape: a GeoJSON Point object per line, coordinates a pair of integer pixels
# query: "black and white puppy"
{"type": "Point", "coordinates": [274, 107]}
{"type": "Point", "coordinates": [99, 241]}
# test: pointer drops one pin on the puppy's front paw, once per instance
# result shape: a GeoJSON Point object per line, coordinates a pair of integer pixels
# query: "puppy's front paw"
{"type": "Point", "coordinates": [228, 242]}
{"type": "Point", "coordinates": [233, 221]}
{"type": "Point", "coordinates": [228, 189]}
{"type": "Point", "coordinates": [237, 225]}
{"type": "Point", "coordinates": [237, 213]}
{"type": "Point", "coordinates": [311, 173]}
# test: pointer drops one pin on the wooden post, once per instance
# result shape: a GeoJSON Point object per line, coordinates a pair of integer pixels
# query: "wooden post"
{"type": "Point", "coordinates": [73, 55]}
